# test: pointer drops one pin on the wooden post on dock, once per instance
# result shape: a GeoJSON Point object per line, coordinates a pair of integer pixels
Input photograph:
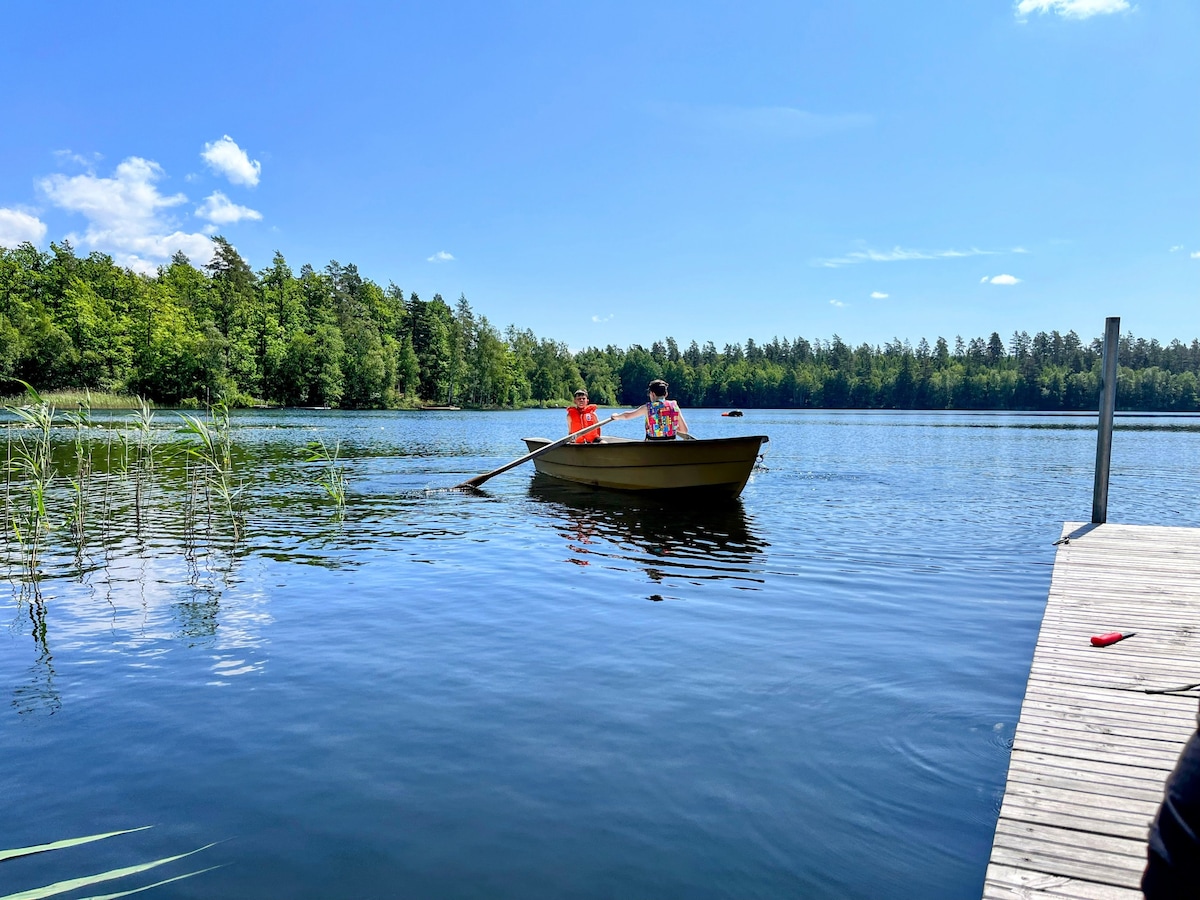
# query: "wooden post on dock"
{"type": "Point", "coordinates": [1108, 403]}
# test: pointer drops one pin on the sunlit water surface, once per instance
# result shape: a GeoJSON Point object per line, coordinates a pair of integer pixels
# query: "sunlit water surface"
{"type": "Point", "coordinates": [535, 691]}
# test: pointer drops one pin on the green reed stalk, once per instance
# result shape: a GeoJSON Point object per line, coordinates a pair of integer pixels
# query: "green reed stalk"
{"type": "Point", "coordinates": [213, 449]}
{"type": "Point", "coordinates": [7, 485]}
{"type": "Point", "coordinates": [143, 419]}
{"type": "Point", "coordinates": [143, 456]}
{"type": "Point", "coordinates": [333, 476]}
{"type": "Point", "coordinates": [80, 483]}
{"type": "Point", "coordinates": [31, 462]}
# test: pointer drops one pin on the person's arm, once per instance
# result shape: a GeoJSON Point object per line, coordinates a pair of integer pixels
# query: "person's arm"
{"type": "Point", "coordinates": [683, 429]}
{"type": "Point", "coordinates": [631, 413]}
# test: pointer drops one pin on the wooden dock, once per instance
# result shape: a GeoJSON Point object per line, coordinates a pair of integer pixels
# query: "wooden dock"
{"type": "Point", "coordinates": [1092, 749]}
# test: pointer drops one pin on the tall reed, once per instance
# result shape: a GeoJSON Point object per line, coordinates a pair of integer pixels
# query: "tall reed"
{"type": "Point", "coordinates": [333, 476]}
{"type": "Point", "coordinates": [213, 450]}
{"type": "Point", "coordinates": [31, 462]}
{"type": "Point", "coordinates": [81, 420]}
{"type": "Point", "coordinates": [142, 445]}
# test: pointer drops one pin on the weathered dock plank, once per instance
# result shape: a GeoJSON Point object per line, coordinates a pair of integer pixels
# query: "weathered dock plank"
{"type": "Point", "coordinates": [1096, 739]}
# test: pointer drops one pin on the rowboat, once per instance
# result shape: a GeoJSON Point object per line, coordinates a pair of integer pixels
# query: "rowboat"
{"type": "Point", "coordinates": [736, 413]}
{"type": "Point", "coordinates": [718, 466]}
{"type": "Point", "coordinates": [439, 408]}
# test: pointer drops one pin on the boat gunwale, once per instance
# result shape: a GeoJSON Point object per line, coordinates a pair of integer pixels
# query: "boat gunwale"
{"type": "Point", "coordinates": [734, 465]}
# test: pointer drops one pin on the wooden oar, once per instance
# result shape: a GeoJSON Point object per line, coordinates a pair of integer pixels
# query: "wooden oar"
{"type": "Point", "coordinates": [480, 479]}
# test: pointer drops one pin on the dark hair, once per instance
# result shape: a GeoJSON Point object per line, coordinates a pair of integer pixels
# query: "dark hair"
{"type": "Point", "coordinates": [658, 387]}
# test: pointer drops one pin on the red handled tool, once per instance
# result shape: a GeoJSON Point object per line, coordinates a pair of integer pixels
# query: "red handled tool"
{"type": "Point", "coordinates": [1103, 640]}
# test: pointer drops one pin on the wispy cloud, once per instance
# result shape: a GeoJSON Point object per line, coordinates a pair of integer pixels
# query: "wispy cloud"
{"type": "Point", "coordinates": [1176, 248]}
{"type": "Point", "coordinates": [219, 209]}
{"type": "Point", "coordinates": [999, 279]}
{"type": "Point", "coordinates": [126, 215]}
{"type": "Point", "coordinates": [17, 226]}
{"type": "Point", "coordinates": [440, 257]}
{"type": "Point", "coordinates": [1195, 255]}
{"type": "Point", "coordinates": [67, 156]}
{"type": "Point", "coordinates": [837, 303]}
{"type": "Point", "coordinates": [898, 254]}
{"type": "Point", "coordinates": [226, 158]}
{"type": "Point", "coordinates": [1071, 9]}
{"type": "Point", "coordinates": [602, 318]}
{"type": "Point", "coordinates": [878, 295]}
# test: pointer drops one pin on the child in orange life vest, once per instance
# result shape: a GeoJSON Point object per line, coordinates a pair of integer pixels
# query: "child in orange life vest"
{"type": "Point", "coordinates": [664, 418]}
{"type": "Point", "coordinates": [581, 415]}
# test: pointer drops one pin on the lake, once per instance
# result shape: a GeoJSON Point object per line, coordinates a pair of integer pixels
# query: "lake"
{"type": "Point", "coordinates": [538, 691]}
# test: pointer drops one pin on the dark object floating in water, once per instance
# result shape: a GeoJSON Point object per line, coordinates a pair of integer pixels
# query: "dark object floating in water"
{"type": "Point", "coordinates": [439, 408]}
{"type": "Point", "coordinates": [735, 413]}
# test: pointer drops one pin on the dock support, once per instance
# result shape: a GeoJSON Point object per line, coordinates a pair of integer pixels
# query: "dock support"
{"type": "Point", "coordinates": [1108, 403]}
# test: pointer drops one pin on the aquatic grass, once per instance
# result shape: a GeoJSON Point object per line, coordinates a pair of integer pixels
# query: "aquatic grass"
{"type": "Point", "coordinates": [30, 459]}
{"type": "Point", "coordinates": [8, 509]}
{"type": "Point", "coordinates": [71, 884]}
{"type": "Point", "coordinates": [62, 845]}
{"type": "Point", "coordinates": [143, 420]}
{"type": "Point", "coordinates": [81, 421]}
{"type": "Point", "coordinates": [213, 450]}
{"type": "Point", "coordinates": [68, 399]}
{"type": "Point", "coordinates": [142, 443]}
{"type": "Point", "coordinates": [333, 476]}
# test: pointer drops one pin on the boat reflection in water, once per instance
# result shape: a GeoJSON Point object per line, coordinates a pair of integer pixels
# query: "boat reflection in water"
{"type": "Point", "coordinates": [674, 540]}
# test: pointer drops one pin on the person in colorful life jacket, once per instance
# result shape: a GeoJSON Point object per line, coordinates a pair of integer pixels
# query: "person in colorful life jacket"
{"type": "Point", "coordinates": [581, 415]}
{"type": "Point", "coordinates": [664, 418]}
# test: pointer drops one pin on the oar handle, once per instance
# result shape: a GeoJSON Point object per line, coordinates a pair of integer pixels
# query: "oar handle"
{"type": "Point", "coordinates": [480, 479]}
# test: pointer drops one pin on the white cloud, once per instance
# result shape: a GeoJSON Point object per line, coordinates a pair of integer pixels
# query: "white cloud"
{"type": "Point", "coordinates": [126, 215]}
{"type": "Point", "coordinates": [897, 254]}
{"type": "Point", "coordinates": [1195, 255]}
{"type": "Point", "coordinates": [1071, 9]}
{"type": "Point", "coordinates": [66, 156]}
{"type": "Point", "coordinates": [1176, 248]}
{"type": "Point", "coordinates": [220, 209]}
{"type": "Point", "coordinates": [17, 227]}
{"type": "Point", "coordinates": [602, 318]}
{"type": "Point", "coordinates": [227, 158]}
{"type": "Point", "coordinates": [838, 303]}
{"type": "Point", "coordinates": [878, 295]}
{"type": "Point", "coordinates": [440, 257]}
{"type": "Point", "coordinates": [1000, 279]}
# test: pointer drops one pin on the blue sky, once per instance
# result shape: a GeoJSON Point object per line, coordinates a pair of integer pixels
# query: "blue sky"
{"type": "Point", "coordinates": [621, 172]}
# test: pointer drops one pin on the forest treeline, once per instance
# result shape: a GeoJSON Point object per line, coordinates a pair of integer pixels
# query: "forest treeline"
{"type": "Point", "coordinates": [223, 332]}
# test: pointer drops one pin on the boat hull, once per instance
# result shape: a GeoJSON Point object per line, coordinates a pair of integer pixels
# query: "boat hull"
{"type": "Point", "coordinates": [720, 466]}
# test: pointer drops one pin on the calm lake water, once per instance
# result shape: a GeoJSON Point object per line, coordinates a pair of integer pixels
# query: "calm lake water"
{"type": "Point", "coordinates": [535, 691]}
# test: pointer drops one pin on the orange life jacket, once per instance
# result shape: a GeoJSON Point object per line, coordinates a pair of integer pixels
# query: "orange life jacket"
{"type": "Point", "coordinates": [581, 418]}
